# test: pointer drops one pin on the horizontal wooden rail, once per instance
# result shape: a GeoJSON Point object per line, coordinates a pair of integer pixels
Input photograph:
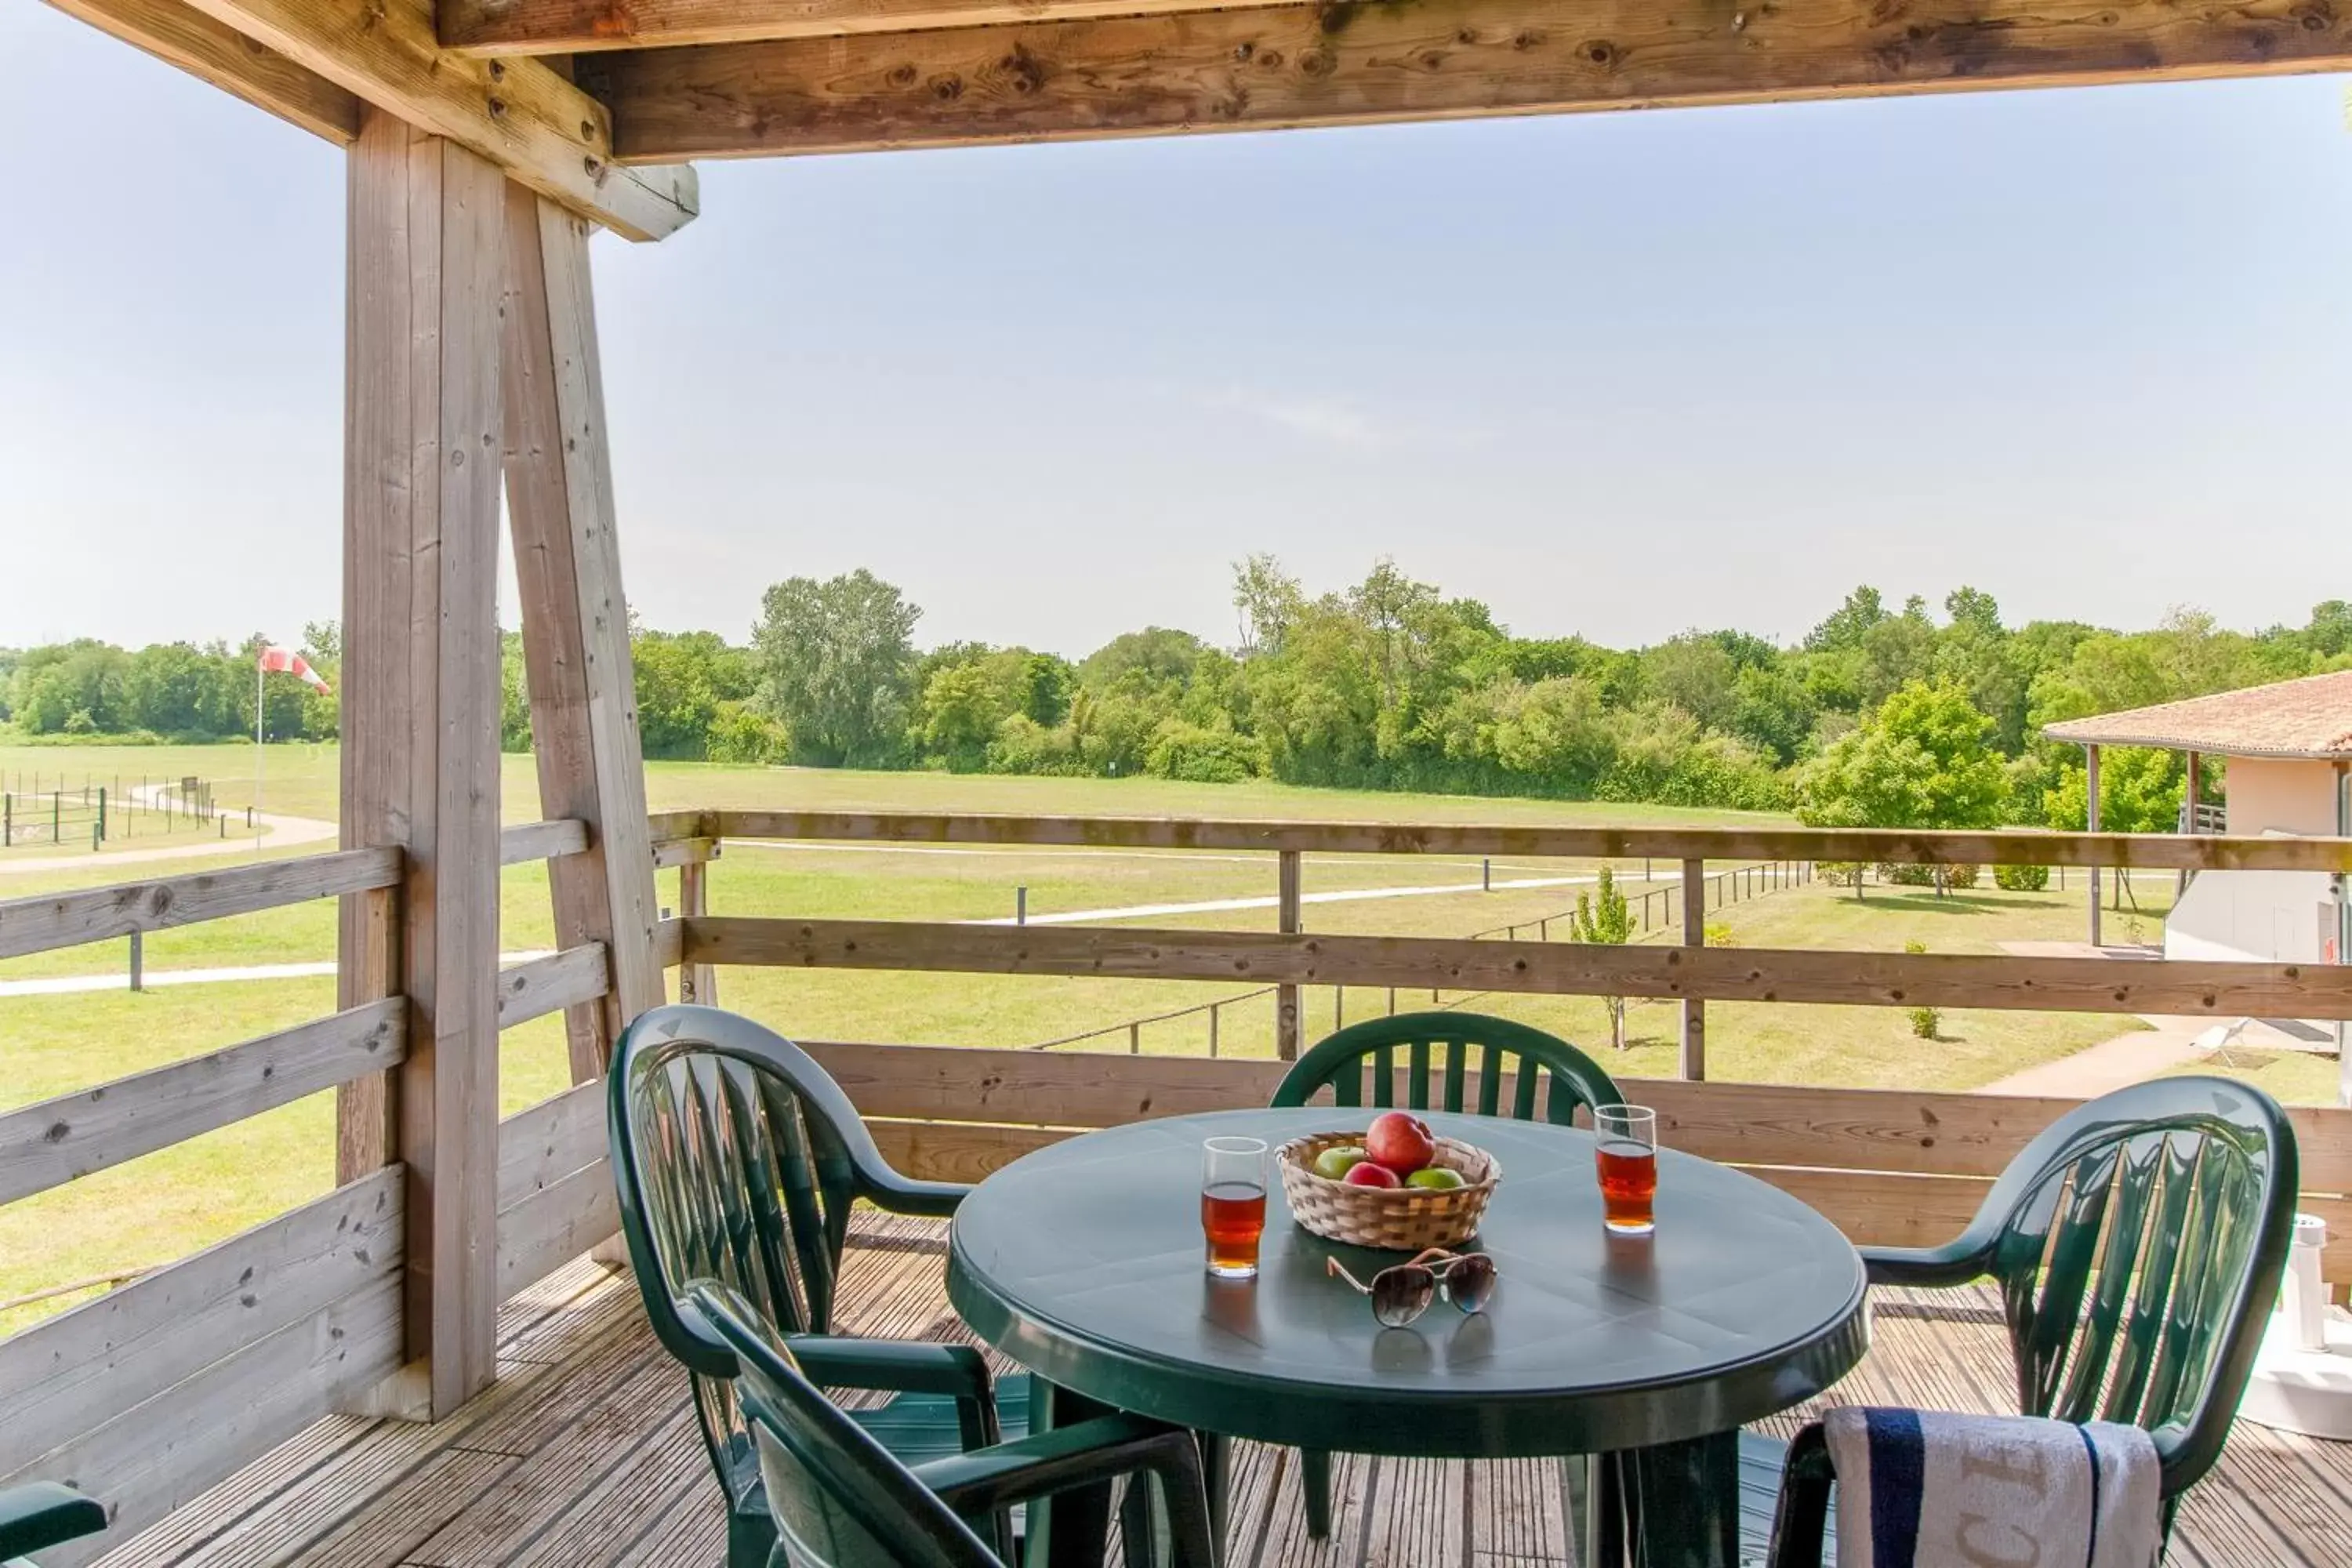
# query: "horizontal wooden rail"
{"type": "Point", "coordinates": [547, 840]}
{"type": "Point", "coordinates": [556, 1198]}
{"type": "Point", "coordinates": [1891, 1167]}
{"type": "Point", "coordinates": [68, 919]}
{"type": "Point", "coordinates": [549, 984]}
{"type": "Point", "coordinates": [692, 851]}
{"type": "Point", "coordinates": [1731, 974]}
{"type": "Point", "coordinates": [154, 1393]}
{"type": "Point", "coordinates": [1904, 846]}
{"type": "Point", "coordinates": [56, 1141]}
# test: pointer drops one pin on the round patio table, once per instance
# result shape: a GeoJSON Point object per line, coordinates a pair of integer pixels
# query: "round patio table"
{"type": "Point", "coordinates": [1084, 1261]}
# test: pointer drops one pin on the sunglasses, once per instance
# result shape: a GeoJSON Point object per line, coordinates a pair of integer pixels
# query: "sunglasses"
{"type": "Point", "coordinates": [1401, 1292]}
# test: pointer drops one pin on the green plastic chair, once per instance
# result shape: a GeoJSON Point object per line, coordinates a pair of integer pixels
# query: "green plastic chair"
{"type": "Point", "coordinates": [842, 1500]}
{"type": "Point", "coordinates": [2188, 1185]}
{"type": "Point", "coordinates": [35, 1515]}
{"type": "Point", "coordinates": [1439, 1052]}
{"type": "Point", "coordinates": [738, 1159]}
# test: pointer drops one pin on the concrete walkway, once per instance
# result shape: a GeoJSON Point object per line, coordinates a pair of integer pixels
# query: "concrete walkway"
{"type": "Point", "coordinates": [276, 832]}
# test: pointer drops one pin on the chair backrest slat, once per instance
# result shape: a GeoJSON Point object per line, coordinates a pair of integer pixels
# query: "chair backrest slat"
{"type": "Point", "coordinates": [1549, 1076]}
{"type": "Point", "coordinates": [2138, 1244]}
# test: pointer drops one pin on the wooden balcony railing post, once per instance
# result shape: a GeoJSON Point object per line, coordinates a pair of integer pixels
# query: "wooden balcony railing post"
{"type": "Point", "coordinates": [1287, 1022]}
{"type": "Point", "coordinates": [696, 982]}
{"type": "Point", "coordinates": [1694, 1034]}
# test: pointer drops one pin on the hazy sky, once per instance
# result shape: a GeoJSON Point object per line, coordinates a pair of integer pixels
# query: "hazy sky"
{"type": "Point", "coordinates": [1615, 374]}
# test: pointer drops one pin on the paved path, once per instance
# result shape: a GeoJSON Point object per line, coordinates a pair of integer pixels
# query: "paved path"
{"type": "Point", "coordinates": [278, 833]}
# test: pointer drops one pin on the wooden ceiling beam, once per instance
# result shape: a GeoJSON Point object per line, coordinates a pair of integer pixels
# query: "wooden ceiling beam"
{"type": "Point", "coordinates": [521, 115]}
{"type": "Point", "coordinates": [1332, 63]}
{"type": "Point", "coordinates": [577, 27]}
{"type": "Point", "coordinates": [179, 35]}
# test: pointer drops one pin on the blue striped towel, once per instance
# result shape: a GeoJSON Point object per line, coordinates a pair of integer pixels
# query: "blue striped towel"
{"type": "Point", "coordinates": [1919, 1489]}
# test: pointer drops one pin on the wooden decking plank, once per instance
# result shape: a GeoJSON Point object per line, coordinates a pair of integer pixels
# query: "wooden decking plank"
{"type": "Point", "coordinates": [1252, 1473]}
{"type": "Point", "coordinates": [650, 1482]}
{"type": "Point", "coordinates": [606, 1305]}
{"type": "Point", "coordinates": [392, 1524]}
{"type": "Point", "coordinates": [542, 1298]}
{"type": "Point", "coordinates": [256, 1488]}
{"type": "Point", "coordinates": [606, 1433]}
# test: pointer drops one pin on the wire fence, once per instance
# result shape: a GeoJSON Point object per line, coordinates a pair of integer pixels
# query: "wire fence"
{"type": "Point", "coordinates": [94, 812]}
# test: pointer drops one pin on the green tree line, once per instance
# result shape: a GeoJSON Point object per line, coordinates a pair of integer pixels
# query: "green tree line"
{"type": "Point", "coordinates": [1879, 715]}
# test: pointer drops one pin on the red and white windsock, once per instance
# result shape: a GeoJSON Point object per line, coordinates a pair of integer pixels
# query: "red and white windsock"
{"type": "Point", "coordinates": [292, 663]}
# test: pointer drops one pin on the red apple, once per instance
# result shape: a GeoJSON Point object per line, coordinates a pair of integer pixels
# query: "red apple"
{"type": "Point", "coordinates": [1366, 1174]}
{"type": "Point", "coordinates": [1402, 1142]}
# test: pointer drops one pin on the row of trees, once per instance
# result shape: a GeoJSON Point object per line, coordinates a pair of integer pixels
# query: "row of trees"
{"type": "Point", "coordinates": [1880, 715]}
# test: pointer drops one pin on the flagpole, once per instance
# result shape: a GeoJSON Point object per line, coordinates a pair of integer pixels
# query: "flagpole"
{"type": "Point", "coordinates": [259, 676]}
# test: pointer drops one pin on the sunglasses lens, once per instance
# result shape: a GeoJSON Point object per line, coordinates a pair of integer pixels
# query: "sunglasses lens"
{"type": "Point", "coordinates": [1470, 1282]}
{"type": "Point", "coordinates": [1402, 1294]}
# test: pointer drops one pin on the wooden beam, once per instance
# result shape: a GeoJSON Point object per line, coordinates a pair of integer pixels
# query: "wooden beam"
{"type": "Point", "coordinates": [421, 690]}
{"type": "Point", "coordinates": [575, 631]}
{"type": "Point", "coordinates": [1459, 964]}
{"type": "Point", "coordinates": [549, 840]}
{"type": "Point", "coordinates": [56, 1141]}
{"type": "Point", "coordinates": [1262, 67]}
{"type": "Point", "coordinates": [578, 27]}
{"type": "Point", "coordinates": [178, 35]}
{"type": "Point", "coordinates": [1503, 840]}
{"type": "Point", "coordinates": [1692, 1057]}
{"type": "Point", "coordinates": [538, 986]}
{"type": "Point", "coordinates": [519, 115]}
{"type": "Point", "coordinates": [50, 921]}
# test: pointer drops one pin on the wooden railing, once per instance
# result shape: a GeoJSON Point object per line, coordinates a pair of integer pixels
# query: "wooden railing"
{"type": "Point", "coordinates": [167, 1384]}
{"type": "Point", "coordinates": [1899, 1167]}
{"type": "Point", "coordinates": [1894, 1167]}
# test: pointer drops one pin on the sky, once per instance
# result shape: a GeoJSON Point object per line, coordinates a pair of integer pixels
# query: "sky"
{"type": "Point", "coordinates": [1616, 375]}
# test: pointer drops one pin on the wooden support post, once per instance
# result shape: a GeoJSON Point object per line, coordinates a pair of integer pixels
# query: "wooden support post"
{"type": "Point", "coordinates": [1287, 1022]}
{"type": "Point", "coordinates": [575, 621]}
{"type": "Point", "coordinates": [2090, 788]}
{"type": "Point", "coordinates": [2188, 824]}
{"type": "Point", "coordinates": [420, 725]}
{"type": "Point", "coordinates": [1694, 1052]}
{"type": "Point", "coordinates": [696, 982]}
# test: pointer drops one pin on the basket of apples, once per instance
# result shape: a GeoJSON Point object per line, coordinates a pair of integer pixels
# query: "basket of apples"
{"type": "Point", "coordinates": [1395, 1184]}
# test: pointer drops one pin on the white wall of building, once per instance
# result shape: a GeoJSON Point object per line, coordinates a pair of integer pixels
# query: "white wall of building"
{"type": "Point", "coordinates": [2279, 796]}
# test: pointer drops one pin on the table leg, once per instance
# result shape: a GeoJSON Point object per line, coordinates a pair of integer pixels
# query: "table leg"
{"type": "Point", "coordinates": [1680, 1502]}
{"type": "Point", "coordinates": [1216, 1479]}
{"type": "Point", "coordinates": [1596, 1510]}
{"type": "Point", "coordinates": [1070, 1529]}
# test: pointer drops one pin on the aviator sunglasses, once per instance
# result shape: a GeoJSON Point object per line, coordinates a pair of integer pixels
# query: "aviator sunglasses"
{"type": "Point", "coordinates": [1401, 1292]}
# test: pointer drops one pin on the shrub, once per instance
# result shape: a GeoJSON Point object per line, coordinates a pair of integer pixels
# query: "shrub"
{"type": "Point", "coordinates": [1198, 755]}
{"type": "Point", "coordinates": [1960, 875]}
{"type": "Point", "coordinates": [1022, 745]}
{"type": "Point", "coordinates": [1718, 934]}
{"type": "Point", "coordinates": [2021, 878]}
{"type": "Point", "coordinates": [1840, 873]}
{"type": "Point", "coordinates": [739, 734]}
{"type": "Point", "coordinates": [1907, 876]}
{"type": "Point", "coordinates": [1924, 1021]}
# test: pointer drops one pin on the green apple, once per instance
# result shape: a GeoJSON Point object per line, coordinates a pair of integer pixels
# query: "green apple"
{"type": "Point", "coordinates": [1334, 1163]}
{"type": "Point", "coordinates": [1437, 1178]}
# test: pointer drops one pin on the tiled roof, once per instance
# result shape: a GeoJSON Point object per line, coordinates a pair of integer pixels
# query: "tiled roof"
{"type": "Point", "coordinates": [2307, 717]}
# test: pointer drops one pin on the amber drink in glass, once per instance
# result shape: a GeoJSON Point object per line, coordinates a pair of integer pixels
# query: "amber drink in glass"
{"type": "Point", "coordinates": [1625, 1142]}
{"type": "Point", "coordinates": [1232, 1204]}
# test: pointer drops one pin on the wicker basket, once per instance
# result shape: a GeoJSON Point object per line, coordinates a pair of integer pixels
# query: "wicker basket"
{"type": "Point", "coordinates": [1402, 1219]}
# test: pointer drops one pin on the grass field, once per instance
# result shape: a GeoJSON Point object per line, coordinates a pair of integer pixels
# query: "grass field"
{"type": "Point", "coordinates": [159, 1207]}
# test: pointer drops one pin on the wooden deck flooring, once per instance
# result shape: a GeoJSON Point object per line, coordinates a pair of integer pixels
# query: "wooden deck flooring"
{"type": "Point", "coordinates": [586, 1453]}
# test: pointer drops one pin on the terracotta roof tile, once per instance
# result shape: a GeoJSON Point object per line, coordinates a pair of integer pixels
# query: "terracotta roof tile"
{"type": "Point", "coordinates": [2307, 717]}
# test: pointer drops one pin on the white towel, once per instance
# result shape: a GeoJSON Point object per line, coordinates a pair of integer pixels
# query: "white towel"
{"type": "Point", "coordinates": [1919, 1489]}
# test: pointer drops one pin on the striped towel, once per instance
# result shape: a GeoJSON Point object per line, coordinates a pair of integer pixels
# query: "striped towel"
{"type": "Point", "coordinates": [1919, 1489]}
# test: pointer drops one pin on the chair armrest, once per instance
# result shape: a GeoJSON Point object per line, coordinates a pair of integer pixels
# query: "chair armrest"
{"type": "Point", "coordinates": [1955, 1263]}
{"type": "Point", "coordinates": [887, 1190]}
{"type": "Point", "coordinates": [901, 1366]}
{"type": "Point", "coordinates": [1036, 1466]}
{"type": "Point", "coordinates": [39, 1514]}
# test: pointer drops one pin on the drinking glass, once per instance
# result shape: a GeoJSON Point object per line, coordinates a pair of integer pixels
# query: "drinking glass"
{"type": "Point", "coordinates": [1626, 1149]}
{"type": "Point", "coordinates": [1233, 1204]}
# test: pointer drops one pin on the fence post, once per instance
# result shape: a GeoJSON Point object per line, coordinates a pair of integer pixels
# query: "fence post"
{"type": "Point", "coordinates": [1287, 1022]}
{"type": "Point", "coordinates": [696, 982]}
{"type": "Point", "coordinates": [1213, 1029]}
{"type": "Point", "coordinates": [138, 960]}
{"type": "Point", "coordinates": [102, 811]}
{"type": "Point", "coordinates": [1392, 1001]}
{"type": "Point", "coordinates": [1487, 874]}
{"type": "Point", "coordinates": [1021, 906]}
{"type": "Point", "coordinates": [8, 820]}
{"type": "Point", "coordinates": [1135, 1038]}
{"type": "Point", "coordinates": [1338, 1007]}
{"type": "Point", "coordinates": [1694, 1042]}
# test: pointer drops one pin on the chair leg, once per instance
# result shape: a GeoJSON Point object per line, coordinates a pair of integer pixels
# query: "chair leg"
{"type": "Point", "coordinates": [1191, 1537]}
{"type": "Point", "coordinates": [1315, 1486]}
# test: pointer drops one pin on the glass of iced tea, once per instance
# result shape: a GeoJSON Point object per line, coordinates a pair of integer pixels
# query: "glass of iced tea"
{"type": "Point", "coordinates": [1233, 1204]}
{"type": "Point", "coordinates": [1625, 1145]}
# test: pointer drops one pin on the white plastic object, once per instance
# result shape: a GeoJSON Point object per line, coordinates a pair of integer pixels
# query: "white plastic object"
{"type": "Point", "coordinates": [2303, 1294]}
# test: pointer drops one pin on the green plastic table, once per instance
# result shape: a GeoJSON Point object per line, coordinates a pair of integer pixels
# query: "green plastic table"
{"type": "Point", "coordinates": [1084, 1261]}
